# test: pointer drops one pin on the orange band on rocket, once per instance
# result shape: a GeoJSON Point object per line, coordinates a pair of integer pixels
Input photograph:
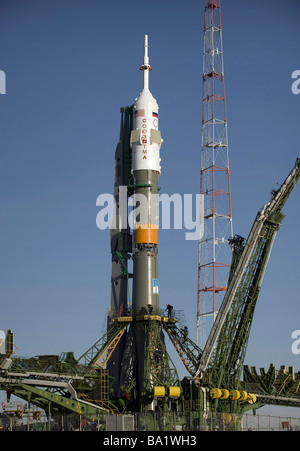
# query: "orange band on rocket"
{"type": "Point", "coordinates": [146, 233]}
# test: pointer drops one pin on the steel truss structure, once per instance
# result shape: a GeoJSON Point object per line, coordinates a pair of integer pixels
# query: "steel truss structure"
{"type": "Point", "coordinates": [214, 255]}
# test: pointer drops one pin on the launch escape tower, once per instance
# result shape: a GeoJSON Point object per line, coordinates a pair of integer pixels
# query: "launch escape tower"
{"type": "Point", "coordinates": [214, 255]}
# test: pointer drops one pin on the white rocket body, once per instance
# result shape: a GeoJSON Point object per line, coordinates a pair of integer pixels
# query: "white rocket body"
{"type": "Point", "coordinates": [145, 142]}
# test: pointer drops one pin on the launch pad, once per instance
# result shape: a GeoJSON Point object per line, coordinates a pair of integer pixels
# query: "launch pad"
{"type": "Point", "coordinates": [129, 369]}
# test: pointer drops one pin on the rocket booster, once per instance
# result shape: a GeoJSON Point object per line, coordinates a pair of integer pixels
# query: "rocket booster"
{"type": "Point", "coordinates": [145, 142]}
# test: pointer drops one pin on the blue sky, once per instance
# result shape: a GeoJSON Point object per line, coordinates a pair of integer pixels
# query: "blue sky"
{"type": "Point", "coordinates": [70, 65]}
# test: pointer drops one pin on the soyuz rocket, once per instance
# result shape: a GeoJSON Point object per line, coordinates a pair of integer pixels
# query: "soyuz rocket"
{"type": "Point", "coordinates": [140, 142]}
{"type": "Point", "coordinates": [145, 145]}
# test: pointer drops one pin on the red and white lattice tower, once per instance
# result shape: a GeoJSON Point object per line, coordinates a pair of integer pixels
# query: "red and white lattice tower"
{"type": "Point", "coordinates": [214, 249]}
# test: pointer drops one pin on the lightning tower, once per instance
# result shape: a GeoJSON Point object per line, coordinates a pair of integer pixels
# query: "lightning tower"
{"type": "Point", "coordinates": [214, 256]}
